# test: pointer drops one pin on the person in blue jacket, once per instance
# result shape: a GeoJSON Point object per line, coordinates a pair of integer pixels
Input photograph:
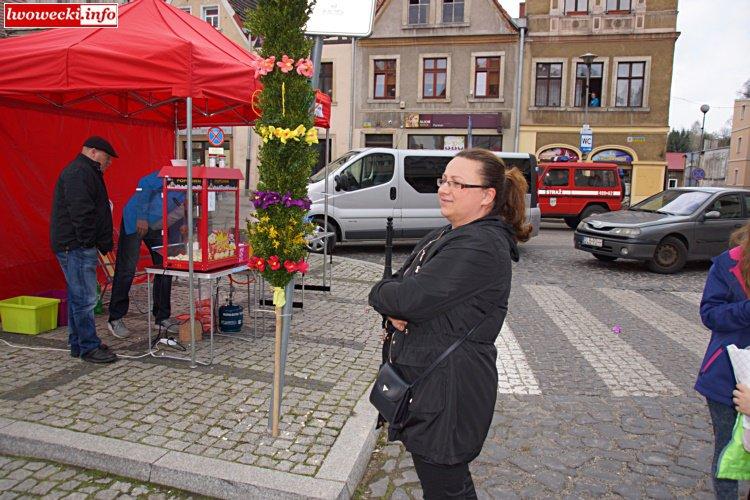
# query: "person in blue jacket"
{"type": "Point", "coordinates": [142, 221]}
{"type": "Point", "coordinates": [725, 310]}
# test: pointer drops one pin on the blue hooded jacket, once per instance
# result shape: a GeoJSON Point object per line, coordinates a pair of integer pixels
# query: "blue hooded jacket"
{"type": "Point", "coordinates": [725, 310]}
{"type": "Point", "coordinates": [146, 203]}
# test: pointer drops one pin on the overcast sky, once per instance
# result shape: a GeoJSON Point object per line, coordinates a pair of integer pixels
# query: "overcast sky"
{"type": "Point", "coordinates": [712, 59]}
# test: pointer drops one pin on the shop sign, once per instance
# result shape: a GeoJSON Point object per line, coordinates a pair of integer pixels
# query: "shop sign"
{"type": "Point", "coordinates": [636, 138]}
{"type": "Point", "coordinates": [612, 156]}
{"type": "Point", "coordinates": [478, 120]}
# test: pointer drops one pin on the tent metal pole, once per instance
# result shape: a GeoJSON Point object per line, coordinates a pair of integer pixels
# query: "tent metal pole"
{"type": "Point", "coordinates": [190, 235]}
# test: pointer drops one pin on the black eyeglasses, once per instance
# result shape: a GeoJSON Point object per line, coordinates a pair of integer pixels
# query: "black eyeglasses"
{"type": "Point", "coordinates": [458, 185]}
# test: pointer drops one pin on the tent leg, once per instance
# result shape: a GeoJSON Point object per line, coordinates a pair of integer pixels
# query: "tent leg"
{"type": "Point", "coordinates": [191, 301]}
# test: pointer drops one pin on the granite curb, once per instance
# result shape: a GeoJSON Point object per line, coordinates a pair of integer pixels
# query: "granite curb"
{"type": "Point", "coordinates": [337, 478]}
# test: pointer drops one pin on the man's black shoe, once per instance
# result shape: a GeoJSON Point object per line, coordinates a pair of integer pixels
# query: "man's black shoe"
{"type": "Point", "coordinates": [100, 355]}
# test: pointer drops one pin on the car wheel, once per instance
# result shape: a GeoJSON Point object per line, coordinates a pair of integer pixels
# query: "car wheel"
{"type": "Point", "coordinates": [604, 258]}
{"type": "Point", "coordinates": [593, 209]}
{"type": "Point", "coordinates": [669, 257]}
{"type": "Point", "coordinates": [572, 222]}
{"type": "Point", "coordinates": [317, 246]}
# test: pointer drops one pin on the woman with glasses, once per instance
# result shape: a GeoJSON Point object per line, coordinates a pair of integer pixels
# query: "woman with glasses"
{"type": "Point", "coordinates": [456, 281]}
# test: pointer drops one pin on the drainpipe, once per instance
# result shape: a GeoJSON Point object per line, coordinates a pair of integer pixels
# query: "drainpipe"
{"type": "Point", "coordinates": [521, 23]}
{"type": "Point", "coordinates": [351, 94]}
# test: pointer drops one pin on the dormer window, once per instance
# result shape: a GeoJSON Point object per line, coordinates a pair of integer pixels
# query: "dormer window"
{"type": "Point", "coordinates": [576, 6]}
{"type": "Point", "coordinates": [618, 5]}
{"type": "Point", "coordinates": [418, 11]}
{"type": "Point", "coordinates": [453, 11]}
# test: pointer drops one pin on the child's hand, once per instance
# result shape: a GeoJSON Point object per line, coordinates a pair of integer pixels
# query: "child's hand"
{"type": "Point", "coordinates": [741, 398]}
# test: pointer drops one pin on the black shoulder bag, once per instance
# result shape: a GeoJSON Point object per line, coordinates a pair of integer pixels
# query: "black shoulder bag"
{"type": "Point", "coordinates": [391, 394]}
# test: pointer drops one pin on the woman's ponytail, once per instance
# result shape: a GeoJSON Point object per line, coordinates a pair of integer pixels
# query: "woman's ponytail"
{"type": "Point", "coordinates": [514, 207]}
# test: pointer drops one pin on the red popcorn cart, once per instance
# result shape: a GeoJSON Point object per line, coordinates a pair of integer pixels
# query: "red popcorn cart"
{"type": "Point", "coordinates": [216, 217]}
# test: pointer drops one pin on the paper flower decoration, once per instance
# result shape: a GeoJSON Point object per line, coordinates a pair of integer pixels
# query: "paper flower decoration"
{"type": "Point", "coordinates": [265, 66]}
{"type": "Point", "coordinates": [290, 266]}
{"type": "Point", "coordinates": [305, 67]}
{"type": "Point", "coordinates": [617, 329]}
{"type": "Point", "coordinates": [286, 64]}
{"type": "Point", "coordinates": [274, 263]}
{"type": "Point", "coordinates": [302, 266]}
{"type": "Point", "coordinates": [311, 137]}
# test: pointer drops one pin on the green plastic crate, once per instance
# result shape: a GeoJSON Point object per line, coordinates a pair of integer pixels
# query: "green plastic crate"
{"type": "Point", "coordinates": [29, 315]}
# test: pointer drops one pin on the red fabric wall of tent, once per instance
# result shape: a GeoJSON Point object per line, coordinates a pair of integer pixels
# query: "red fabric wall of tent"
{"type": "Point", "coordinates": [127, 84]}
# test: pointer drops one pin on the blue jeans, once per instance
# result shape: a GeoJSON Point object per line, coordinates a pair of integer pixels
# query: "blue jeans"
{"type": "Point", "coordinates": [128, 253]}
{"type": "Point", "coordinates": [79, 267]}
{"type": "Point", "coordinates": [722, 418]}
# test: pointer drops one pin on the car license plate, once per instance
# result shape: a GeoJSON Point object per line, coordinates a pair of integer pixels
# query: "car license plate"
{"type": "Point", "coordinates": [592, 242]}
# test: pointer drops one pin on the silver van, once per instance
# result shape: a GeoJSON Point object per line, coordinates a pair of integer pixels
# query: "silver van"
{"type": "Point", "coordinates": [366, 186]}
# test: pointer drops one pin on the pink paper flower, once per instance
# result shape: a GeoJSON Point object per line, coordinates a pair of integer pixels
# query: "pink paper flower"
{"type": "Point", "coordinates": [265, 66]}
{"type": "Point", "coordinates": [305, 67]}
{"type": "Point", "coordinates": [290, 266]}
{"type": "Point", "coordinates": [286, 64]}
{"type": "Point", "coordinates": [617, 329]}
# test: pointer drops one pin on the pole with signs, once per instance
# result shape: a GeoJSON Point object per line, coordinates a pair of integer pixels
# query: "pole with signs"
{"type": "Point", "coordinates": [587, 140]}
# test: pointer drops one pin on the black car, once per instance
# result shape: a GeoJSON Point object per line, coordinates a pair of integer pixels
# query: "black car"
{"type": "Point", "coordinates": [667, 229]}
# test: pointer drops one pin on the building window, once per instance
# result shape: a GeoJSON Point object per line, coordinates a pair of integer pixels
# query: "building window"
{"type": "Point", "coordinates": [672, 183]}
{"type": "Point", "coordinates": [211, 16]}
{"type": "Point", "coordinates": [419, 11]}
{"type": "Point", "coordinates": [491, 142]}
{"type": "Point", "coordinates": [742, 112]}
{"type": "Point", "coordinates": [618, 5]}
{"type": "Point", "coordinates": [595, 85]}
{"type": "Point", "coordinates": [378, 140]}
{"type": "Point", "coordinates": [548, 84]}
{"type": "Point", "coordinates": [187, 9]}
{"type": "Point", "coordinates": [384, 80]}
{"type": "Point", "coordinates": [324, 154]}
{"type": "Point", "coordinates": [487, 77]}
{"type": "Point", "coordinates": [630, 76]}
{"type": "Point", "coordinates": [434, 76]}
{"type": "Point", "coordinates": [576, 6]}
{"type": "Point", "coordinates": [325, 78]}
{"type": "Point", "coordinates": [739, 144]}
{"type": "Point", "coordinates": [453, 11]}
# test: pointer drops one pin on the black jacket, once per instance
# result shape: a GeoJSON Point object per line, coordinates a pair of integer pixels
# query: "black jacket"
{"type": "Point", "coordinates": [463, 280]}
{"type": "Point", "coordinates": [81, 216]}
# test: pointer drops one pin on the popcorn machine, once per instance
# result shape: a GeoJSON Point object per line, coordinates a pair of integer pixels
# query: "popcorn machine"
{"type": "Point", "coordinates": [216, 217]}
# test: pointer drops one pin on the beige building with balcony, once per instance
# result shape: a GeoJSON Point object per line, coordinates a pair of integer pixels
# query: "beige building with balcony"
{"type": "Point", "coordinates": [430, 68]}
{"type": "Point", "coordinates": [629, 88]}
{"type": "Point", "coordinates": [738, 165]}
{"type": "Point", "coordinates": [240, 148]}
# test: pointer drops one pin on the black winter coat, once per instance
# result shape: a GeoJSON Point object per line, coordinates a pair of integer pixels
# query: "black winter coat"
{"type": "Point", "coordinates": [462, 280]}
{"type": "Point", "coordinates": [81, 216]}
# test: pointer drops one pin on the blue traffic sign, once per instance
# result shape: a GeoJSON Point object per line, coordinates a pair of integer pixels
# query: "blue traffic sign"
{"type": "Point", "coordinates": [215, 136]}
{"type": "Point", "coordinates": [587, 142]}
{"type": "Point", "coordinates": [699, 174]}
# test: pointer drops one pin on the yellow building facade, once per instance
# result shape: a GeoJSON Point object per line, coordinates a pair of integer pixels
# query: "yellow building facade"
{"type": "Point", "coordinates": [629, 83]}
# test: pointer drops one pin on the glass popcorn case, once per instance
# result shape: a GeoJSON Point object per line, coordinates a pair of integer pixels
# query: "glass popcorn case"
{"type": "Point", "coordinates": [216, 217]}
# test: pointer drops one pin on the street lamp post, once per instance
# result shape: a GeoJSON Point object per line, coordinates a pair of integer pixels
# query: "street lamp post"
{"type": "Point", "coordinates": [587, 59]}
{"type": "Point", "coordinates": [704, 110]}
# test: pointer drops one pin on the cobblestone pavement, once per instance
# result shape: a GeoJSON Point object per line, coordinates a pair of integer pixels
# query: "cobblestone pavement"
{"type": "Point", "coordinates": [219, 411]}
{"type": "Point", "coordinates": [24, 478]}
{"type": "Point", "coordinates": [582, 411]}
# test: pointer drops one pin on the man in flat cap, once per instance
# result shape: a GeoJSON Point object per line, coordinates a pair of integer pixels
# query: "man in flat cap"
{"type": "Point", "coordinates": [81, 224]}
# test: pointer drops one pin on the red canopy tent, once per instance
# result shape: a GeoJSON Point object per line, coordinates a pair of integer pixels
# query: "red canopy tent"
{"type": "Point", "coordinates": [128, 84]}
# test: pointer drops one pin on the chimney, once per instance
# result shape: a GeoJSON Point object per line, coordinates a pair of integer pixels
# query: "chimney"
{"type": "Point", "coordinates": [522, 9]}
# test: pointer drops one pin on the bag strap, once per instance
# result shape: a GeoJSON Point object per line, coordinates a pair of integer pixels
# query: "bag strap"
{"type": "Point", "coordinates": [445, 354]}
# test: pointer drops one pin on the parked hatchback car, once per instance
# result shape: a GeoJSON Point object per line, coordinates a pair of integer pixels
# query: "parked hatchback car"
{"type": "Point", "coordinates": [667, 229]}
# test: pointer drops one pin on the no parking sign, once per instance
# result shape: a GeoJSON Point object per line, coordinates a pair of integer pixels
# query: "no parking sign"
{"type": "Point", "coordinates": [215, 136]}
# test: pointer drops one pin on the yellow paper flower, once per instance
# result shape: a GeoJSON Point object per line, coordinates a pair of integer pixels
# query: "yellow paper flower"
{"type": "Point", "coordinates": [272, 232]}
{"type": "Point", "coordinates": [312, 136]}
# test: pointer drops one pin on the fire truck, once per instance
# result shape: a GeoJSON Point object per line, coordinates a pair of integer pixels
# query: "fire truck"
{"type": "Point", "coordinates": [573, 191]}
